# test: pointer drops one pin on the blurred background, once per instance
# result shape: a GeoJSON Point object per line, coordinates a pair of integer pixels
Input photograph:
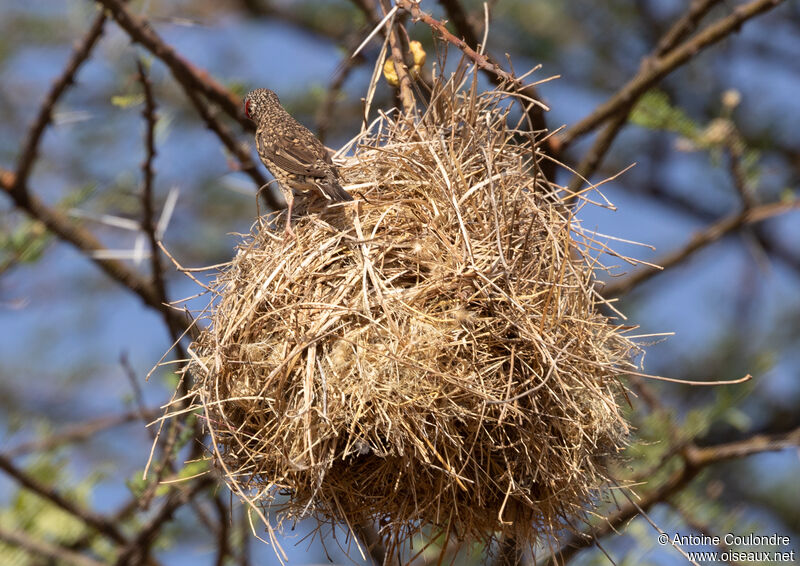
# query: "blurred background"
{"type": "Point", "coordinates": [719, 134]}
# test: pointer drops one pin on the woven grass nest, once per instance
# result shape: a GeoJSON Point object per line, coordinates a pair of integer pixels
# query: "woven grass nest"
{"type": "Point", "coordinates": [430, 357]}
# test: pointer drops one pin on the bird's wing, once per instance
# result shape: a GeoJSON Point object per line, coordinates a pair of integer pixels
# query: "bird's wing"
{"type": "Point", "coordinates": [295, 155]}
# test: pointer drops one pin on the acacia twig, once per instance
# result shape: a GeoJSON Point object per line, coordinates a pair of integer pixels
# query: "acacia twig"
{"type": "Point", "coordinates": [698, 242]}
{"type": "Point", "coordinates": [30, 146]}
{"type": "Point", "coordinates": [195, 82]}
{"type": "Point", "coordinates": [687, 205]}
{"type": "Point", "coordinates": [189, 76]}
{"type": "Point", "coordinates": [396, 50]}
{"type": "Point", "coordinates": [87, 243]}
{"type": "Point", "coordinates": [684, 26]}
{"type": "Point", "coordinates": [483, 62]}
{"type": "Point", "coordinates": [88, 517]}
{"type": "Point", "coordinates": [51, 552]}
{"type": "Point", "coordinates": [149, 227]}
{"type": "Point", "coordinates": [138, 549]}
{"type": "Point", "coordinates": [662, 66]}
{"type": "Point", "coordinates": [148, 208]}
{"type": "Point", "coordinates": [535, 112]}
{"type": "Point", "coordinates": [594, 156]}
{"type": "Point", "coordinates": [695, 459]}
{"type": "Point", "coordinates": [455, 11]}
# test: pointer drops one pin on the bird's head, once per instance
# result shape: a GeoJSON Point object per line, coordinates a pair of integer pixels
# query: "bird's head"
{"type": "Point", "coordinates": [260, 102]}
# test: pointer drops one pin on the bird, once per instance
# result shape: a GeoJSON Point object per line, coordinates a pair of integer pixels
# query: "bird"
{"type": "Point", "coordinates": [295, 157]}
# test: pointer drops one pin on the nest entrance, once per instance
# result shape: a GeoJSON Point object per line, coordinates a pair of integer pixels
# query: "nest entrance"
{"type": "Point", "coordinates": [431, 356]}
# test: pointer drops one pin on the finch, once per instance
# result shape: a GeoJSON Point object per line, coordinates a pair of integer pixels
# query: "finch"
{"type": "Point", "coordinates": [294, 156]}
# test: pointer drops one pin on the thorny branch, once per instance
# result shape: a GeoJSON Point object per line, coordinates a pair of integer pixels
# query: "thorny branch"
{"type": "Point", "coordinates": [30, 145]}
{"type": "Point", "coordinates": [190, 77]}
{"type": "Point", "coordinates": [663, 65]}
{"type": "Point", "coordinates": [594, 156]}
{"type": "Point", "coordinates": [196, 84]}
{"type": "Point", "coordinates": [493, 70]}
{"type": "Point", "coordinates": [207, 96]}
{"type": "Point", "coordinates": [148, 207]}
{"type": "Point", "coordinates": [90, 518]}
{"type": "Point", "coordinates": [684, 26]}
{"type": "Point", "coordinates": [698, 242]}
{"type": "Point", "coordinates": [694, 459]}
{"type": "Point", "coordinates": [482, 61]}
{"type": "Point", "coordinates": [407, 98]}
{"type": "Point", "coordinates": [157, 269]}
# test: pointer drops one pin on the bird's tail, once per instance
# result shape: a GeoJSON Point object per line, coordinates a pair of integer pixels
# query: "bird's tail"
{"type": "Point", "coordinates": [334, 191]}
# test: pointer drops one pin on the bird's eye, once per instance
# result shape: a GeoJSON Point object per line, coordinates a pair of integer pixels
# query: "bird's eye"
{"type": "Point", "coordinates": [247, 108]}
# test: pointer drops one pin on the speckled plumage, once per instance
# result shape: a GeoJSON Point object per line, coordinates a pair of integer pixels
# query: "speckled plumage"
{"type": "Point", "coordinates": [294, 156]}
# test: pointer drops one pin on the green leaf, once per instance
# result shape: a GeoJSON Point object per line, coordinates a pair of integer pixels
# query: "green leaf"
{"type": "Point", "coordinates": [654, 111]}
{"type": "Point", "coordinates": [192, 469]}
{"type": "Point", "coordinates": [139, 485]}
{"type": "Point", "coordinates": [27, 243]}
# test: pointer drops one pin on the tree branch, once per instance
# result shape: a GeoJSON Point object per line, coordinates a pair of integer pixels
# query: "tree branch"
{"type": "Point", "coordinates": [30, 145]}
{"type": "Point", "coordinates": [396, 48]}
{"type": "Point", "coordinates": [189, 76]}
{"type": "Point", "coordinates": [90, 518]}
{"type": "Point", "coordinates": [194, 82]}
{"type": "Point", "coordinates": [455, 11]}
{"type": "Point", "coordinates": [51, 552]}
{"type": "Point", "coordinates": [593, 158]}
{"type": "Point", "coordinates": [148, 209]}
{"type": "Point", "coordinates": [695, 459]}
{"type": "Point", "coordinates": [482, 61]}
{"type": "Point", "coordinates": [228, 139]}
{"type": "Point", "coordinates": [699, 241]}
{"type": "Point", "coordinates": [137, 550]}
{"type": "Point", "coordinates": [662, 66]}
{"type": "Point", "coordinates": [685, 25]}
{"type": "Point", "coordinates": [686, 205]}
{"type": "Point", "coordinates": [705, 455]}
{"type": "Point", "coordinates": [85, 241]}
